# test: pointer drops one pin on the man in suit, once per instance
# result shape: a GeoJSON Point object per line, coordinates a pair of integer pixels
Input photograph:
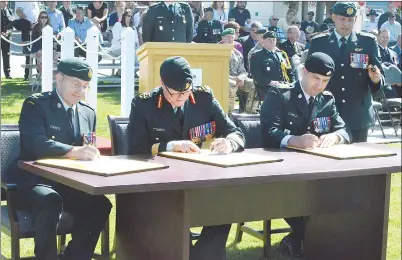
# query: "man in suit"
{"type": "Point", "coordinates": [52, 125]}
{"type": "Point", "coordinates": [397, 48]}
{"type": "Point", "coordinates": [270, 66]}
{"type": "Point", "coordinates": [386, 54]}
{"type": "Point", "coordinates": [67, 12]}
{"type": "Point", "coordinates": [178, 117]}
{"type": "Point", "coordinates": [291, 46]}
{"type": "Point", "coordinates": [303, 116]}
{"type": "Point", "coordinates": [358, 71]}
{"type": "Point", "coordinates": [248, 42]}
{"type": "Point", "coordinates": [209, 30]}
{"type": "Point", "coordinates": [168, 21]}
{"type": "Point", "coordinates": [6, 18]}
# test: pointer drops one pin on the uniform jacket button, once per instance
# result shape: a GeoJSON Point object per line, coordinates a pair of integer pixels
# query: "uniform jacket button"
{"type": "Point", "coordinates": [342, 65]}
{"type": "Point", "coordinates": [342, 77]}
{"type": "Point", "coordinates": [343, 89]}
{"type": "Point", "coordinates": [343, 101]}
{"type": "Point", "coordinates": [173, 38]}
{"type": "Point", "coordinates": [290, 123]}
{"type": "Point", "coordinates": [172, 30]}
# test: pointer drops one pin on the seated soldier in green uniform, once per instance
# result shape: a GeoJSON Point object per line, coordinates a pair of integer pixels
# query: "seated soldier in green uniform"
{"type": "Point", "coordinates": [304, 116]}
{"type": "Point", "coordinates": [53, 125]}
{"type": "Point", "coordinates": [179, 117]}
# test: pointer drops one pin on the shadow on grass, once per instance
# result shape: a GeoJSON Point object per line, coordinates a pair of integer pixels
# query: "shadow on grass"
{"type": "Point", "coordinates": [251, 253]}
{"type": "Point", "coordinates": [14, 90]}
{"type": "Point", "coordinates": [110, 95]}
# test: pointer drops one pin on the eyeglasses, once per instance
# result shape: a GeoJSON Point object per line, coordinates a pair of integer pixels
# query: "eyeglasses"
{"type": "Point", "coordinates": [44, 17]}
{"type": "Point", "coordinates": [275, 19]}
{"type": "Point", "coordinates": [295, 22]}
{"type": "Point", "coordinates": [74, 85]}
{"type": "Point", "coordinates": [178, 94]}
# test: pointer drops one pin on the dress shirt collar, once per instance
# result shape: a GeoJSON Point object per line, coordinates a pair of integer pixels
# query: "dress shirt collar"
{"type": "Point", "coordinates": [338, 36]}
{"type": "Point", "coordinates": [65, 104]}
{"type": "Point", "coordinates": [306, 96]}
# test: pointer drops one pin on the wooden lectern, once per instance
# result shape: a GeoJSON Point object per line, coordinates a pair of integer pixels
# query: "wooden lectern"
{"type": "Point", "coordinates": [209, 60]}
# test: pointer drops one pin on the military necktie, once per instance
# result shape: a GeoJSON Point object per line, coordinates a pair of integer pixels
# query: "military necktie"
{"type": "Point", "coordinates": [70, 114]}
{"type": "Point", "coordinates": [171, 12]}
{"type": "Point", "coordinates": [180, 115]}
{"type": "Point", "coordinates": [310, 105]}
{"type": "Point", "coordinates": [343, 45]}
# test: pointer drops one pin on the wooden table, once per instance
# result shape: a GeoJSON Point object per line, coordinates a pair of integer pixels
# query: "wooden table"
{"type": "Point", "coordinates": [347, 202]}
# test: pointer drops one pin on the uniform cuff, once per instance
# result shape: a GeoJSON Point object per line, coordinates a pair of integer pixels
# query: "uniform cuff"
{"type": "Point", "coordinates": [285, 141]}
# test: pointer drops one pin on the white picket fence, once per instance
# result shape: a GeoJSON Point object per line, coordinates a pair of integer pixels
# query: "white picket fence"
{"type": "Point", "coordinates": [92, 47]}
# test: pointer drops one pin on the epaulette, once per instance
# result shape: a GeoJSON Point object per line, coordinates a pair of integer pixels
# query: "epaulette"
{"type": "Point", "coordinates": [320, 35]}
{"type": "Point", "coordinates": [366, 34]}
{"type": "Point", "coordinates": [327, 93]}
{"type": "Point", "coordinates": [284, 86]}
{"type": "Point", "coordinates": [202, 89]}
{"type": "Point", "coordinates": [41, 95]}
{"type": "Point", "coordinates": [145, 95]}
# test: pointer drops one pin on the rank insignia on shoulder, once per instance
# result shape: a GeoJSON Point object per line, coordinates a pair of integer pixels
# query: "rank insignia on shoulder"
{"type": "Point", "coordinates": [358, 49]}
{"type": "Point", "coordinates": [326, 92]}
{"type": "Point", "coordinates": [284, 85]}
{"type": "Point", "coordinates": [202, 133]}
{"type": "Point", "coordinates": [144, 95]}
{"type": "Point", "coordinates": [30, 102]}
{"type": "Point", "coordinates": [203, 89]}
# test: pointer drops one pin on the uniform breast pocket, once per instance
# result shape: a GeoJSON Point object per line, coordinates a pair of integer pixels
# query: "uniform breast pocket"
{"type": "Point", "coordinates": [292, 122]}
{"type": "Point", "coordinates": [54, 132]}
{"type": "Point", "coordinates": [158, 134]}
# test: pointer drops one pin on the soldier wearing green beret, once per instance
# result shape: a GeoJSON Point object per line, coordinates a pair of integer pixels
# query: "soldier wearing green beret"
{"type": "Point", "coordinates": [270, 66]}
{"type": "Point", "coordinates": [209, 30]}
{"type": "Point", "coordinates": [304, 116]}
{"type": "Point", "coordinates": [179, 117]}
{"type": "Point", "coordinates": [358, 73]}
{"type": "Point", "coordinates": [53, 125]}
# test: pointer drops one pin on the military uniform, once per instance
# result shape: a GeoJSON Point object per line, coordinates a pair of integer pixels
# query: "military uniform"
{"type": "Point", "coordinates": [46, 132]}
{"type": "Point", "coordinates": [153, 124]}
{"type": "Point", "coordinates": [267, 66]}
{"type": "Point", "coordinates": [388, 55]}
{"type": "Point", "coordinates": [6, 16]}
{"type": "Point", "coordinates": [236, 68]}
{"type": "Point", "coordinates": [162, 25]}
{"type": "Point", "coordinates": [351, 84]}
{"type": "Point", "coordinates": [286, 112]}
{"type": "Point", "coordinates": [292, 49]}
{"type": "Point", "coordinates": [209, 32]}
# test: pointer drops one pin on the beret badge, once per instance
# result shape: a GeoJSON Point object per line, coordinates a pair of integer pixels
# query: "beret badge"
{"type": "Point", "coordinates": [187, 86]}
{"type": "Point", "coordinates": [329, 73]}
{"type": "Point", "coordinates": [349, 11]}
{"type": "Point", "coordinates": [90, 74]}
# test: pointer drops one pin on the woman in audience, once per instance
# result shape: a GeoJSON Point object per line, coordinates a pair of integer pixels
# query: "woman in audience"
{"type": "Point", "coordinates": [118, 30]}
{"type": "Point", "coordinates": [97, 12]}
{"type": "Point", "coordinates": [116, 16]}
{"type": "Point", "coordinates": [285, 23]}
{"type": "Point", "coordinates": [302, 37]}
{"type": "Point", "coordinates": [36, 50]}
{"type": "Point", "coordinates": [220, 12]}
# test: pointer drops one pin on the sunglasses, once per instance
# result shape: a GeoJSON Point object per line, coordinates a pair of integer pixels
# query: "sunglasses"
{"type": "Point", "coordinates": [275, 19]}
{"type": "Point", "coordinates": [44, 17]}
{"type": "Point", "coordinates": [392, 17]}
{"type": "Point", "coordinates": [295, 22]}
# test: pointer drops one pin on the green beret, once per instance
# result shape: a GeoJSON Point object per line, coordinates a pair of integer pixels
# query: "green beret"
{"type": "Point", "coordinates": [347, 9]}
{"type": "Point", "coordinates": [261, 31]}
{"type": "Point", "coordinates": [228, 31]}
{"type": "Point", "coordinates": [176, 73]}
{"type": "Point", "coordinates": [269, 34]}
{"type": "Point", "coordinates": [320, 63]}
{"type": "Point", "coordinates": [75, 67]}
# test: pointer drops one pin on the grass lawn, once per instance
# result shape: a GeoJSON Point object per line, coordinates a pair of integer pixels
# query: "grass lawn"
{"type": "Point", "coordinates": [13, 93]}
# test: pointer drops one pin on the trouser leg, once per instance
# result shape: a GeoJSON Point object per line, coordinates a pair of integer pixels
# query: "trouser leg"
{"type": "Point", "coordinates": [90, 215]}
{"type": "Point", "coordinates": [211, 244]}
{"type": "Point", "coordinates": [232, 95]}
{"type": "Point", "coordinates": [5, 49]}
{"type": "Point", "coordinates": [359, 136]}
{"type": "Point", "coordinates": [46, 206]}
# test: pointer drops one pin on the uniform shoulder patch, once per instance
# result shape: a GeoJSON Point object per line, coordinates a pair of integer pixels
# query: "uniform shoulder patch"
{"type": "Point", "coordinates": [40, 95]}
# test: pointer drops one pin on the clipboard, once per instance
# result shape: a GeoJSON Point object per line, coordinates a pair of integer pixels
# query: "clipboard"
{"type": "Point", "coordinates": [103, 166]}
{"type": "Point", "coordinates": [222, 160]}
{"type": "Point", "coordinates": [346, 151]}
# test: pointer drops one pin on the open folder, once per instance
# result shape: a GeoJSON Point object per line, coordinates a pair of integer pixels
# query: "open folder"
{"type": "Point", "coordinates": [222, 160]}
{"type": "Point", "coordinates": [104, 165]}
{"type": "Point", "coordinates": [346, 151]}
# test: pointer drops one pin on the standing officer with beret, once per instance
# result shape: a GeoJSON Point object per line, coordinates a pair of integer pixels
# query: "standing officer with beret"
{"type": "Point", "coordinates": [209, 30]}
{"type": "Point", "coordinates": [168, 21]}
{"type": "Point", "coordinates": [304, 116]}
{"type": "Point", "coordinates": [358, 70]}
{"type": "Point", "coordinates": [52, 125]}
{"type": "Point", "coordinates": [178, 117]}
{"type": "Point", "coordinates": [270, 66]}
